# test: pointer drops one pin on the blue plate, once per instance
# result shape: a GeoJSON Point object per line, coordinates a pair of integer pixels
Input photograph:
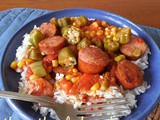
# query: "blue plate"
{"type": "Point", "coordinates": [146, 101]}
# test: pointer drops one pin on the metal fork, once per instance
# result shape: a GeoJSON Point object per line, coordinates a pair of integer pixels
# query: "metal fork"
{"type": "Point", "coordinates": [110, 108]}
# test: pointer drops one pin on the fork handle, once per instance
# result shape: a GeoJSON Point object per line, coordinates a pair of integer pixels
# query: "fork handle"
{"type": "Point", "coordinates": [19, 96]}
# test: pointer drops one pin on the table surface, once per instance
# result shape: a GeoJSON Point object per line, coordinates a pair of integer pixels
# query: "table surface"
{"type": "Point", "coordinates": [144, 12]}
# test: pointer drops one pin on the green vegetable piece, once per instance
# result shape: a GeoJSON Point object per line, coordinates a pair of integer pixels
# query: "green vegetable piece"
{"type": "Point", "coordinates": [98, 44]}
{"type": "Point", "coordinates": [54, 21]}
{"type": "Point", "coordinates": [124, 35]}
{"type": "Point", "coordinates": [110, 45]}
{"type": "Point", "coordinates": [64, 21]}
{"type": "Point", "coordinates": [81, 21]}
{"type": "Point", "coordinates": [65, 28]}
{"type": "Point", "coordinates": [72, 35]}
{"type": "Point", "coordinates": [66, 57]}
{"type": "Point", "coordinates": [35, 37]}
{"type": "Point", "coordinates": [35, 55]}
{"type": "Point", "coordinates": [38, 68]}
{"type": "Point", "coordinates": [83, 43]}
{"type": "Point", "coordinates": [28, 47]}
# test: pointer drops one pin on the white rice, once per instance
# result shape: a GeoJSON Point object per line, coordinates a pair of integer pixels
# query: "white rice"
{"type": "Point", "coordinates": [61, 97]}
{"type": "Point", "coordinates": [21, 51]}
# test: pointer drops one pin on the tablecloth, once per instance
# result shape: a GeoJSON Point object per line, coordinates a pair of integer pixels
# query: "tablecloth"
{"type": "Point", "coordinates": [12, 20]}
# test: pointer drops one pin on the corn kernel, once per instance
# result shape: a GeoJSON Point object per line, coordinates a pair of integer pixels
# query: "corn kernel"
{"type": "Point", "coordinates": [119, 58]}
{"type": "Point", "coordinates": [99, 32]}
{"type": "Point", "coordinates": [122, 56]}
{"type": "Point", "coordinates": [75, 79]}
{"type": "Point", "coordinates": [114, 29]}
{"type": "Point", "coordinates": [74, 70]}
{"type": "Point", "coordinates": [42, 53]}
{"type": "Point", "coordinates": [56, 85]}
{"type": "Point", "coordinates": [107, 33]}
{"type": "Point", "coordinates": [74, 24]}
{"type": "Point", "coordinates": [14, 65]}
{"type": "Point", "coordinates": [107, 29]}
{"type": "Point", "coordinates": [87, 32]}
{"type": "Point", "coordinates": [126, 35]}
{"type": "Point", "coordinates": [104, 85]}
{"type": "Point", "coordinates": [104, 23]}
{"type": "Point", "coordinates": [54, 63]}
{"type": "Point", "coordinates": [32, 77]}
{"type": "Point", "coordinates": [29, 61]}
{"type": "Point", "coordinates": [113, 33]}
{"type": "Point", "coordinates": [95, 24]}
{"type": "Point", "coordinates": [119, 28]}
{"type": "Point", "coordinates": [68, 77]}
{"type": "Point", "coordinates": [47, 77]}
{"type": "Point", "coordinates": [21, 64]}
{"type": "Point", "coordinates": [95, 86]}
{"type": "Point", "coordinates": [108, 36]}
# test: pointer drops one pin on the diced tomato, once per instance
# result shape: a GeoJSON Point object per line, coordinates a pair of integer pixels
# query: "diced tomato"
{"type": "Point", "coordinates": [40, 87]}
{"type": "Point", "coordinates": [60, 69]}
{"type": "Point", "coordinates": [65, 85]}
{"type": "Point", "coordinates": [51, 57]}
{"type": "Point", "coordinates": [28, 73]}
{"type": "Point", "coordinates": [85, 83]}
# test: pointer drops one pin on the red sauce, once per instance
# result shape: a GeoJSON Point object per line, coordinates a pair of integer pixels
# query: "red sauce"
{"type": "Point", "coordinates": [85, 83]}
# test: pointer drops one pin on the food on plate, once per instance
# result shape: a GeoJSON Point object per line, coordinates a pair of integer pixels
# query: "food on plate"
{"type": "Point", "coordinates": [134, 49]}
{"type": "Point", "coordinates": [66, 57]}
{"type": "Point", "coordinates": [48, 29]}
{"type": "Point", "coordinates": [79, 60]}
{"type": "Point", "coordinates": [92, 60]}
{"type": "Point", "coordinates": [128, 74]}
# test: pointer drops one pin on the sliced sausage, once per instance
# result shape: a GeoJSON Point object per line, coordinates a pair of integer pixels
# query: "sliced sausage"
{"type": "Point", "coordinates": [92, 60]}
{"type": "Point", "coordinates": [134, 49]}
{"type": "Point", "coordinates": [52, 45]}
{"type": "Point", "coordinates": [48, 29]}
{"type": "Point", "coordinates": [129, 75]}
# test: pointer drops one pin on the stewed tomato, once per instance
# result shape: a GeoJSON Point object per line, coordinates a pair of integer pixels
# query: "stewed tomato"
{"type": "Point", "coordinates": [85, 83]}
{"type": "Point", "coordinates": [40, 86]}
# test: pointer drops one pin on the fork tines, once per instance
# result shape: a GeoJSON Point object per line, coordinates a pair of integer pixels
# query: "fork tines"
{"type": "Point", "coordinates": [113, 107]}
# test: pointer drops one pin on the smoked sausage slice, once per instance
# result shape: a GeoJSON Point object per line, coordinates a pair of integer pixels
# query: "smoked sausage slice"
{"type": "Point", "coordinates": [48, 29]}
{"type": "Point", "coordinates": [129, 75]}
{"type": "Point", "coordinates": [52, 45]}
{"type": "Point", "coordinates": [134, 49]}
{"type": "Point", "coordinates": [92, 60]}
